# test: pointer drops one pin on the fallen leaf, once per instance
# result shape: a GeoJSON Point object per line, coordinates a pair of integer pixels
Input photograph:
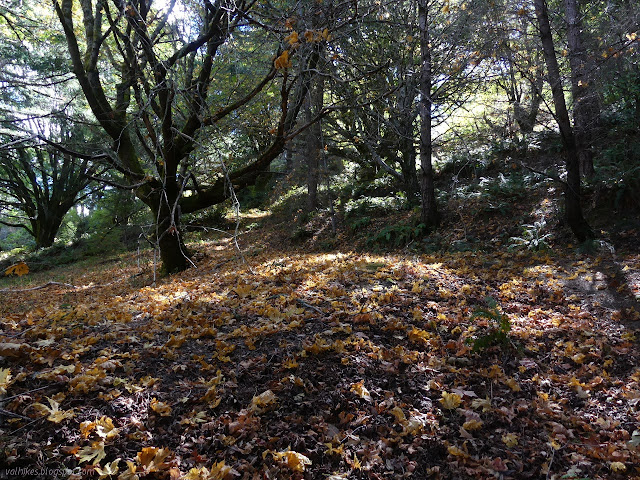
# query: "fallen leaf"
{"type": "Point", "coordinates": [261, 402]}
{"type": "Point", "coordinates": [360, 390]}
{"type": "Point", "coordinates": [618, 467]}
{"type": "Point", "coordinates": [152, 459]}
{"type": "Point", "coordinates": [472, 425]}
{"type": "Point", "coordinates": [18, 269]}
{"type": "Point", "coordinates": [293, 460]}
{"type": "Point", "coordinates": [5, 380]}
{"type": "Point", "coordinates": [13, 349]}
{"type": "Point", "coordinates": [53, 412]}
{"type": "Point", "coordinates": [161, 408]}
{"type": "Point", "coordinates": [450, 401]}
{"type": "Point", "coordinates": [109, 469]}
{"type": "Point", "coordinates": [92, 453]}
{"type": "Point", "coordinates": [484, 403]}
{"type": "Point", "coordinates": [510, 439]}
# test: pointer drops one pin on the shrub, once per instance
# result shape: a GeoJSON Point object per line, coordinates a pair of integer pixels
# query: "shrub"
{"type": "Point", "coordinates": [397, 235]}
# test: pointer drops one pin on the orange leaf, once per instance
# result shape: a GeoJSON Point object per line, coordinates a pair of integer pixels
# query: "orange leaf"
{"type": "Point", "coordinates": [18, 269]}
{"type": "Point", "coordinates": [283, 61]}
{"type": "Point", "coordinates": [292, 38]}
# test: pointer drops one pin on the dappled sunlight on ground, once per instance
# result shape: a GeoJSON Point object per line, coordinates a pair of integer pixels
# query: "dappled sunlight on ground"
{"type": "Point", "coordinates": [316, 364]}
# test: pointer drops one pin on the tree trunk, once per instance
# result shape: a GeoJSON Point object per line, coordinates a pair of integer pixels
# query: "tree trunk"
{"type": "Point", "coordinates": [173, 252]}
{"type": "Point", "coordinates": [403, 125]}
{"type": "Point", "coordinates": [524, 115]}
{"type": "Point", "coordinates": [429, 215]}
{"type": "Point", "coordinates": [410, 185]}
{"type": "Point", "coordinates": [314, 142]}
{"type": "Point", "coordinates": [573, 209]}
{"type": "Point", "coordinates": [48, 219]}
{"type": "Point", "coordinates": [45, 230]}
{"type": "Point", "coordinates": [586, 108]}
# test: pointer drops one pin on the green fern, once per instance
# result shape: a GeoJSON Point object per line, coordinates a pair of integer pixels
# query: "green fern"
{"type": "Point", "coordinates": [498, 334]}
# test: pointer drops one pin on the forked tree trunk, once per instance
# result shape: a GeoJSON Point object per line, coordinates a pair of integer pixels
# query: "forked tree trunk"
{"type": "Point", "coordinates": [573, 209]}
{"type": "Point", "coordinates": [429, 215]}
{"type": "Point", "coordinates": [45, 230]}
{"type": "Point", "coordinates": [173, 252]}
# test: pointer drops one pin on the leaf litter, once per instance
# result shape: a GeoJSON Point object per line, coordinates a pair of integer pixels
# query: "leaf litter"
{"type": "Point", "coordinates": [326, 366]}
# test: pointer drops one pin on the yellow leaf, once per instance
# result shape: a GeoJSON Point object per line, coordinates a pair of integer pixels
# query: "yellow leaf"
{"type": "Point", "coordinates": [5, 380]}
{"type": "Point", "coordinates": [86, 428]}
{"type": "Point", "coordinates": [450, 400]}
{"type": "Point", "coordinates": [361, 390]}
{"type": "Point", "coordinates": [293, 460]}
{"type": "Point", "coordinates": [219, 471]}
{"type": "Point", "coordinates": [618, 467]}
{"type": "Point", "coordinates": [54, 413]}
{"type": "Point", "coordinates": [246, 289]}
{"type": "Point", "coordinates": [513, 385]}
{"type": "Point", "coordinates": [331, 450]}
{"type": "Point", "coordinates": [161, 408]}
{"type": "Point", "coordinates": [472, 425]}
{"type": "Point", "coordinates": [18, 269]}
{"type": "Point", "coordinates": [201, 473]}
{"type": "Point", "coordinates": [130, 472]}
{"type": "Point", "coordinates": [105, 428]}
{"type": "Point", "coordinates": [92, 453]}
{"type": "Point", "coordinates": [152, 459]}
{"type": "Point", "coordinates": [414, 424]}
{"type": "Point", "coordinates": [417, 335]}
{"type": "Point", "coordinates": [290, 363]}
{"type": "Point", "coordinates": [399, 414]}
{"type": "Point", "coordinates": [260, 402]}
{"type": "Point", "coordinates": [457, 452]}
{"type": "Point", "coordinates": [510, 439]}
{"type": "Point", "coordinates": [109, 469]}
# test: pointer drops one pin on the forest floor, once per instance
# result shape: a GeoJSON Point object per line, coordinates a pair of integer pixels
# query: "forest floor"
{"type": "Point", "coordinates": [292, 363]}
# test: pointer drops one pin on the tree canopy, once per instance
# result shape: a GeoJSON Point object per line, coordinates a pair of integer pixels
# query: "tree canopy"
{"type": "Point", "coordinates": [188, 103]}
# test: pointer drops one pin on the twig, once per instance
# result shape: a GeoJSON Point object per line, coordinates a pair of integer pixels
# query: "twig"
{"type": "Point", "coordinates": [306, 305]}
{"type": "Point", "coordinates": [553, 454]}
{"type": "Point", "coordinates": [7, 413]}
{"type": "Point", "coordinates": [25, 393]}
{"type": "Point", "coordinates": [68, 285]}
{"type": "Point", "coordinates": [9, 290]}
{"type": "Point", "coordinates": [23, 427]}
{"type": "Point", "coordinates": [18, 335]}
{"type": "Point", "coordinates": [218, 265]}
{"type": "Point", "coordinates": [301, 302]}
{"type": "Point", "coordinates": [544, 174]}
